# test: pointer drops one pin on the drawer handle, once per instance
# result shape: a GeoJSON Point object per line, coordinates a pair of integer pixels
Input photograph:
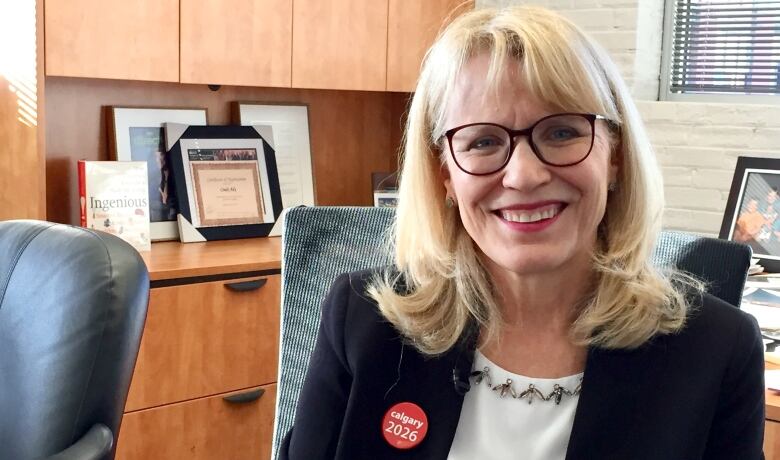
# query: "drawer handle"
{"type": "Point", "coordinates": [243, 286]}
{"type": "Point", "coordinates": [242, 398]}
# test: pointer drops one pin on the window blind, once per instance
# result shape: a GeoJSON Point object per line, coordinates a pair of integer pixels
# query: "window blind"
{"type": "Point", "coordinates": [722, 46]}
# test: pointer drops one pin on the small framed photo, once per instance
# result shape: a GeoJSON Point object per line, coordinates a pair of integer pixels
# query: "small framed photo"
{"type": "Point", "coordinates": [227, 184]}
{"type": "Point", "coordinates": [136, 134]}
{"type": "Point", "coordinates": [386, 199]}
{"type": "Point", "coordinates": [752, 209]}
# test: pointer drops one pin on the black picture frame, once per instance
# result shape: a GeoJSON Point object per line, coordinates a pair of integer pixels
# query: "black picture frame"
{"type": "Point", "coordinates": [184, 192]}
{"type": "Point", "coordinates": [752, 214]}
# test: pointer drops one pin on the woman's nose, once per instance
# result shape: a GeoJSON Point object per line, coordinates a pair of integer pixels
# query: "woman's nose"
{"type": "Point", "coordinates": [525, 171]}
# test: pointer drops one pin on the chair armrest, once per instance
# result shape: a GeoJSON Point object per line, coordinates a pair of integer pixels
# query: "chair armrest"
{"type": "Point", "coordinates": [94, 445]}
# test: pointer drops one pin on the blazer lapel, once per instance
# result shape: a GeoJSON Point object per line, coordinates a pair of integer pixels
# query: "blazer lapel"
{"type": "Point", "coordinates": [612, 392]}
{"type": "Point", "coordinates": [430, 382]}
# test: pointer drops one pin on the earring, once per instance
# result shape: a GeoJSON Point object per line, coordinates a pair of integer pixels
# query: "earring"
{"type": "Point", "coordinates": [450, 202]}
{"type": "Point", "coordinates": [612, 186]}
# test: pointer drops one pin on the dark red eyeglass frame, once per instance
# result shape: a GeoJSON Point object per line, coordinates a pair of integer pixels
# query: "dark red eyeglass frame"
{"type": "Point", "coordinates": [513, 133]}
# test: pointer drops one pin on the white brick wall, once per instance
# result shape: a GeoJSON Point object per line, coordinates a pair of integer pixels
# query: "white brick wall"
{"type": "Point", "coordinates": [697, 144]}
{"type": "Point", "coordinates": [613, 23]}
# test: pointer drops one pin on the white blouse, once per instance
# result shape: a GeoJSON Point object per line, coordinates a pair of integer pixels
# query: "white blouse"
{"type": "Point", "coordinates": [491, 427]}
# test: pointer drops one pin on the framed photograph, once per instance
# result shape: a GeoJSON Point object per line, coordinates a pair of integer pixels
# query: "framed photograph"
{"type": "Point", "coordinates": [751, 215]}
{"type": "Point", "coordinates": [227, 184]}
{"type": "Point", "coordinates": [136, 134]}
{"type": "Point", "coordinates": [289, 124]}
{"type": "Point", "coordinates": [385, 199]}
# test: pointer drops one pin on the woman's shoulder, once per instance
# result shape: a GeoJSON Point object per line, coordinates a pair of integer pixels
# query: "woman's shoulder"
{"type": "Point", "coordinates": [716, 326]}
{"type": "Point", "coordinates": [351, 289]}
{"type": "Point", "coordinates": [349, 304]}
{"type": "Point", "coordinates": [716, 314]}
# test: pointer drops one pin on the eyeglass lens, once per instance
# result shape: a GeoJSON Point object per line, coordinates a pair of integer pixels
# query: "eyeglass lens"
{"type": "Point", "coordinates": [559, 140]}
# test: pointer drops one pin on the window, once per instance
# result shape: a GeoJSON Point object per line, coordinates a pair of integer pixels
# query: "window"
{"type": "Point", "coordinates": [723, 47]}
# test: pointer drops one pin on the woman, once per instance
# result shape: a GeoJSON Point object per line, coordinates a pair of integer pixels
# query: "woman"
{"type": "Point", "coordinates": [522, 317]}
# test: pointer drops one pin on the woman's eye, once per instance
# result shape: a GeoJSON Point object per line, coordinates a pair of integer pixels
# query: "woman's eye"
{"type": "Point", "coordinates": [562, 134]}
{"type": "Point", "coordinates": [485, 143]}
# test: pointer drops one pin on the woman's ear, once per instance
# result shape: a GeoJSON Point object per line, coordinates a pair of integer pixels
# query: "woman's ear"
{"type": "Point", "coordinates": [615, 161]}
{"type": "Point", "coordinates": [446, 179]}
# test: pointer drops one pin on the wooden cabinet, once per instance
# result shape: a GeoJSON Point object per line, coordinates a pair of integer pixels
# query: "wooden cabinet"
{"type": "Point", "coordinates": [203, 429]}
{"type": "Point", "coordinates": [412, 28]}
{"type": "Point", "coordinates": [206, 338]}
{"type": "Point", "coordinates": [340, 44]}
{"type": "Point", "coordinates": [371, 45]}
{"type": "Point", "coordinates": [240, 42]}
{"type": "Point", "coordinates": [204, 385]}
{"type": "Point", "coordinates": [133, 40]}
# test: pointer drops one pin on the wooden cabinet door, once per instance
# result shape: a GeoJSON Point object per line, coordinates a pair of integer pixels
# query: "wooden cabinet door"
{"type": "Point", "coordinates": [203, 429]}
{"type": "Point", "coordinates": [412, 27]}
{"type": "Point", "coordinates": [236, 42]}
{"type": "Point", "coordinates": [132, 40]}
{"type": "Point", "coordinates": [340, 44]}
{"type": "Point", "coordinates": [204, 339]}
{"type": "Point", "coordinates": [772, 440]}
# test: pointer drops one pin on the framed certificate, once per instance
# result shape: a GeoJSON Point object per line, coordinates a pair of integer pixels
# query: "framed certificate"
{"type": "Point", "coordinates": [136, 134]}
{"type": "Point", "coordinates": [226, 180]}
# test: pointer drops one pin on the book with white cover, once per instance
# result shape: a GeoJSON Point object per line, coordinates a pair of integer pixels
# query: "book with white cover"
{"type": "Point", "coordinates": [114, 198]}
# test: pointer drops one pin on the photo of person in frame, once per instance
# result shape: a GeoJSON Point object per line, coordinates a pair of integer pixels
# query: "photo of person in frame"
{"type": "Point", "coordinates": [147, 144]}
{"type": "Point", "coordinates": [757, 221]}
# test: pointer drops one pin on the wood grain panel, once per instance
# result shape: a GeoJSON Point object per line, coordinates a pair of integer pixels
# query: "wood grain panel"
{"type": "Point", "coordinates": [772, 441]}
{"type": "Point", "coordinates": [203, 429]}
{"type": "Point", "coordinates": [240, 42]}
{"type": "Point", "coordinates": [353, 133]}
{"type": "Point", "coordinates": [773, 405]}
{"type": "Point", "coordinates": [412, 28]}
{"type": "Point", "coordinates": [21, 163]}
{"type": "Point", "coordinates": [38, 184]}
{"type": "Point", "coordinates": [340, 44]}
{"type": "Point", "coordinates": [135, 40]}
{"type": "Point", "coordinates": [171, 259]}
{"type": "Point", "coordinates": [204, 339]}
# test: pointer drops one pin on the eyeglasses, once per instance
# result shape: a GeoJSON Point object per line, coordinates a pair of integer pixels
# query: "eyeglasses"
{"type": "Point", "coordinates": [563, 139]}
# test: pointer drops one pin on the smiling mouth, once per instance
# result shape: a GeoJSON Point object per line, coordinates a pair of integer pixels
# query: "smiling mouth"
{"type": "Point", "coordinates": [531, 216]}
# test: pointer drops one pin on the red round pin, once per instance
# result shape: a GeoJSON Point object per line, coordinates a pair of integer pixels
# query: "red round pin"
{"type": "Point", "coordinates": [404, 425]}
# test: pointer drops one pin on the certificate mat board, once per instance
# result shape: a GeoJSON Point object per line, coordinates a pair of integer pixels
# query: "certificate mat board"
{"type": "Point", "coordinates": [227, 184]}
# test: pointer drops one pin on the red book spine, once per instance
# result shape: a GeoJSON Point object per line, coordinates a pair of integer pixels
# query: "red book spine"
{"type": "Point", "coordinates": [83, 192]}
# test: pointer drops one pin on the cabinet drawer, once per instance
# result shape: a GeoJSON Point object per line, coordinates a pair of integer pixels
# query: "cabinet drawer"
{"type": "Point", "coordinates": [206, 429]}
{"type": "Point", "coordinates": [205, 339]}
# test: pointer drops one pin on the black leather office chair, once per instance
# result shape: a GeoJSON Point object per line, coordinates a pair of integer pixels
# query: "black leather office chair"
{"type": "Point", "coordinates": [72, 308]}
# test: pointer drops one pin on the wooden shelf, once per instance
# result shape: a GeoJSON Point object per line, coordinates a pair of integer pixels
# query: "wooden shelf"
{"type": "Point", "coordinates": [171, 260]}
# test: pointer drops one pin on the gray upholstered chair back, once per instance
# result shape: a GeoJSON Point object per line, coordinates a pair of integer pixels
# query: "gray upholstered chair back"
{"type": "Point", "coordinates": [722, 264]}
{"type": "Point", "coordinates": [72, 307]}
{"type": "Point", "coordinates": [319, 243]}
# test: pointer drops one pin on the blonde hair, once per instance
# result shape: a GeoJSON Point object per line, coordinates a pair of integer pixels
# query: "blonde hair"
{"type": "Point", "coordinates": [446, 285]}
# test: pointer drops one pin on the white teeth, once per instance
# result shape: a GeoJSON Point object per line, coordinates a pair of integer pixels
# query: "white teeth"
{"type": "Point", "coordinates": [527, 217]}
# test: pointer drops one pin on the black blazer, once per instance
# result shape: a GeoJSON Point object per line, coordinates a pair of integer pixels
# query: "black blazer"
{"type": "Point", "coordinates": [697, 394]}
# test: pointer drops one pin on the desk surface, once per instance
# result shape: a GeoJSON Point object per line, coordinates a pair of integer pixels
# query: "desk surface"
{"type": "Point", "coordinates": [170, 260]}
